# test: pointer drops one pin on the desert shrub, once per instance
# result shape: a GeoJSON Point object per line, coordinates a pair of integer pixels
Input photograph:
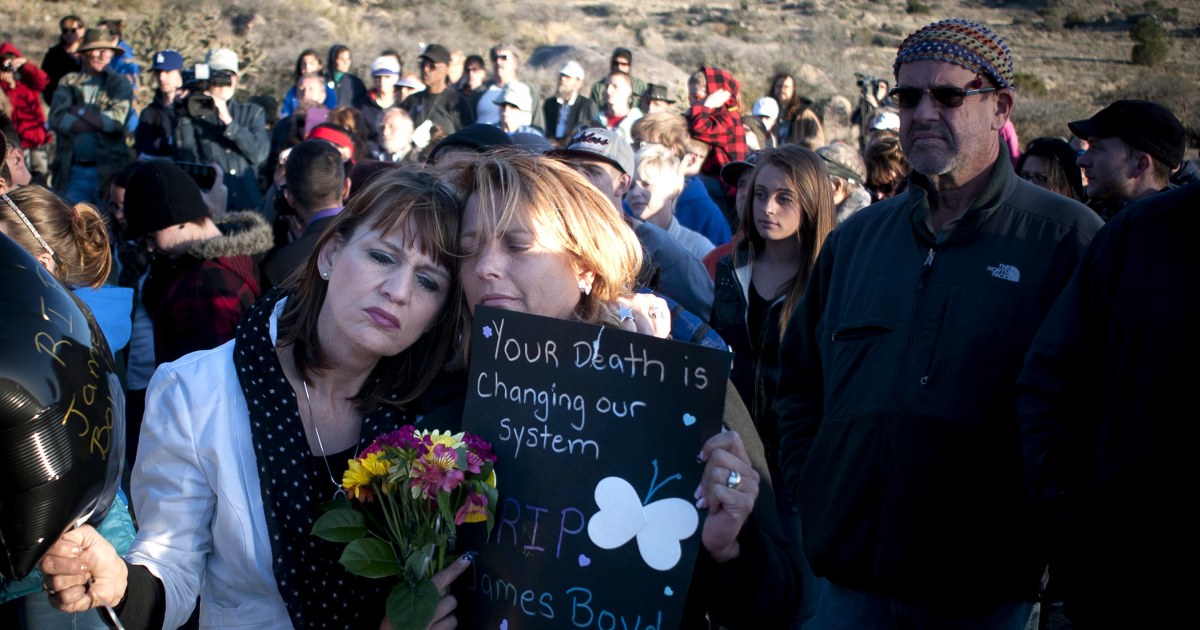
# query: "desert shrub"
{"type": "Point", "coordinates": [1151, 53]}
{"type": "Point", "coordinates": [1147, 29]}
{"type": "Point", "coordinates": [1074, 19]}
{"type": "Point", "coordinates": [1152, 46]}
{"type": "Point", "coordinates": [1171, 14]}
{"type": "Point", "coordinates": [1030, 83]}
{"type": "Point", "coordinates": [915, 7]}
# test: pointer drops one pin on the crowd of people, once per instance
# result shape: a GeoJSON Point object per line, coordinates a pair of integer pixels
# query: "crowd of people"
{"type": "Point", "coordinates": [953, 390]}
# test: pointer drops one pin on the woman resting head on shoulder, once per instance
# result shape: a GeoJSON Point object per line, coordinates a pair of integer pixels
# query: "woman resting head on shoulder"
{"type": "Point", "coordinates": [315, 373]}
{"type": "Point", "coordinates": [342, 293]}
{"type": "Point", "coordinates": [536, 238]}
{"type": "Point", "coordinates": [70, 242]}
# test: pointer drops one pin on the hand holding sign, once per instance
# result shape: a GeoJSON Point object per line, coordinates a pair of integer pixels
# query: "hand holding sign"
{"type": "Point", "coordinates": [729, 497]}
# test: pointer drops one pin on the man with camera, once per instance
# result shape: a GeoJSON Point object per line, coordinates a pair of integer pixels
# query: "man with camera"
{"type": "Point", "coordinates": [216, 129]}
{"type": "Point", "coordinates": [88, 114]}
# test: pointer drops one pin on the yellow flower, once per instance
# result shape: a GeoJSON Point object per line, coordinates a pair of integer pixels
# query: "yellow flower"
{"type": "Point", "coordinates": [452, 440]}
{"type": "Point", "coordinates": [360, 474]}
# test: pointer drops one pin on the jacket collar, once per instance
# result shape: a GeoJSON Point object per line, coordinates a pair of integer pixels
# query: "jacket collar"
{"type": "Point", "coordinates": [999, 186]}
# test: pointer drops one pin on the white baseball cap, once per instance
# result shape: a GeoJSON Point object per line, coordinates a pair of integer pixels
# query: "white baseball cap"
{"type": "Point", "coordinates": [572, 69]}
{"type": "Point", "coordinates": [222, 59]}
{"type": "Point", "coordinates": [766, 106]}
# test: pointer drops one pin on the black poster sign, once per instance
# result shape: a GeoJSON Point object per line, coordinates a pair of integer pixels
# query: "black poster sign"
{"type": "Point", "coordinates": [597, 431]}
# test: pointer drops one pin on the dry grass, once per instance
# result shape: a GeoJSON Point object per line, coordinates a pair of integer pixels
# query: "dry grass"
{"type": "Point", "coordinates": [1082, 68]}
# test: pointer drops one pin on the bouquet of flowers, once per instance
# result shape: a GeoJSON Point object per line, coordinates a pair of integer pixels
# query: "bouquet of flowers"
{"type": "Point", "coordinates": [408, 493]}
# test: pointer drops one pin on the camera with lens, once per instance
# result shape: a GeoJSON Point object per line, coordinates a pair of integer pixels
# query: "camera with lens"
{"type": "Point", "coordinates": [197, 80]}
{"type": "Point", "coordinates": [865, 82]}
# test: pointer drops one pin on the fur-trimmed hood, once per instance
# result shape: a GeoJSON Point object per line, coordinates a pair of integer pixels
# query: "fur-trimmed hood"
{"type": "Point", "coordinates": [244, 233]}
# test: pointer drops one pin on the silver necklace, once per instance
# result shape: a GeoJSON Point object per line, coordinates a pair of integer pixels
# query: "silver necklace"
{"type": "Point", "coordinates": [312, 417]}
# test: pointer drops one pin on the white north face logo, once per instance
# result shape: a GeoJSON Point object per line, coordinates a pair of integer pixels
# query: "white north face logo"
{"type": "Point", "coordinates": [1005, 272]}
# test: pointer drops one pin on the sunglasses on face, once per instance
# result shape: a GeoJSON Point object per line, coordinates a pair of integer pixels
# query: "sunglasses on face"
{"type": "Point", "coordinates": [943, 96]}
{"type": "Point", "coordinates": [500, 58]}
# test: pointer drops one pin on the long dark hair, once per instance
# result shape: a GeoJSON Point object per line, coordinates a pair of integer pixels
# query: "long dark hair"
{"type": "Point", "coordinates": [427, 212]}
{"type": "Point", "coordinates": [807, 173]}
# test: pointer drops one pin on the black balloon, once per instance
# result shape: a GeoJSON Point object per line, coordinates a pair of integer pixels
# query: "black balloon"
{"type": "Point", "coordinates": [62, 419]}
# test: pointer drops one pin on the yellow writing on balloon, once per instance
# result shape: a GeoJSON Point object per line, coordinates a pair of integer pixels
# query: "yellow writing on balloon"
{"type": "Point", "coordinates": [47, 312]}
{"type": "Point", "coordinates": [45, 343]}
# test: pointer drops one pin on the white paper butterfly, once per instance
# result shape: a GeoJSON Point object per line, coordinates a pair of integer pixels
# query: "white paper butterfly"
{"type": "Point", "coordinates": [658, 526]}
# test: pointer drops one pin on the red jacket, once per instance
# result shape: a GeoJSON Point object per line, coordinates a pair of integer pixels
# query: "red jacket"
{"type": "Point", "coordinates": [25, 95]}
{"type": "Point", "coordinates": [719, 127]}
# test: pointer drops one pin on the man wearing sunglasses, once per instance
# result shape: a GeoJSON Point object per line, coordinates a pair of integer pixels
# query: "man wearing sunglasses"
{"type": "Point", "coordinates": [506, 62]}
{"type": "Point", "coordinates": [899, 436]}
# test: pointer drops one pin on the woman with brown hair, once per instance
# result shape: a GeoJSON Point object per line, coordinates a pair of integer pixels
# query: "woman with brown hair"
{"type": "Point", "coordinates": [537, 239]}
{"type": "Point", "coordinates": [242, 443]}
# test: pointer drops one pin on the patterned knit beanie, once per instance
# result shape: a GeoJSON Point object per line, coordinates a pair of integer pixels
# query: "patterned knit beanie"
{"type": "Point", "coordinates": [963, 43]}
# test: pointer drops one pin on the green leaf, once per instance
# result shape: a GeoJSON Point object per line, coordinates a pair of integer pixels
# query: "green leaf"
{"type": "Point", "coordinates": [411, 607]}
{"type": "Point", "coordinates": [417, 565]}
{"type": "Point", "coordinates": [342, 525]}
{"type": "Point", "coordinates": [370, 557]}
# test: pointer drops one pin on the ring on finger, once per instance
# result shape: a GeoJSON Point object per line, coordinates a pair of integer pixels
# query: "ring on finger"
{"type": "Point", "coordinates": [733, 480]}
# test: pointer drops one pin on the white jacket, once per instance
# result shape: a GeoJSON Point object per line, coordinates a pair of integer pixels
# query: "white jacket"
{"type": "Point", "coordinates": [202, 529]}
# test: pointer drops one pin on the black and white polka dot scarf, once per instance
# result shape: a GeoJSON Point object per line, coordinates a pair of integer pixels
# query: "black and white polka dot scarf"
{"type": "Point", "coordinates": [318, 592]}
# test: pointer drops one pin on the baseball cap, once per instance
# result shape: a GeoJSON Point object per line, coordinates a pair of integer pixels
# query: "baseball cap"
{"type": "Point", "coordinates": [411, 82]}
{"type": "Point", "coordinates": [732, 172]}
{"type": "Point", "coordinates": [477, 136]}
{"type": "Point", "coordinates": [886, 121]}
{"type": "Point", "coordinates": [436, 53]}
{"type": "Point", "coordinates": [572, 69]}
{"type": "Point", "coordinates": [167, 60]}
{"type": "Point", "coordinates": [656, 92]}
{"type": "Point", "coordinates": [222, 59]}
{"type": "Point", "coordinates": [598, 143]}
{"type": "Point", "coordinates": [385, 65]}
{"type": "Point", "coordinates": [1143, 125]}
{"type": "Point", "coordinates": [766, 106]}
{"type": "Point", "coordinates": [517, 95]}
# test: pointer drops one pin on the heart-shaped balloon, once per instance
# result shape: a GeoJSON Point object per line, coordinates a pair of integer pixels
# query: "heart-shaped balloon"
{"type": "Point", "coordinates": [62, 413]}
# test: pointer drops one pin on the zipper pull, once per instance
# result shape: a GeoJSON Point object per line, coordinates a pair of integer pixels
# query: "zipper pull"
{"type": "Point", "coordinates": [929, 259]}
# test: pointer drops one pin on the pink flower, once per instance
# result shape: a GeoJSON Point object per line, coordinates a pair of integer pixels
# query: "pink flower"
{"type": "Point", "coordinates": [480, 447]}
{"type": "Point", "coordinates": [404, 437]}
{"type": "Point", "coordinates": [473, 511]}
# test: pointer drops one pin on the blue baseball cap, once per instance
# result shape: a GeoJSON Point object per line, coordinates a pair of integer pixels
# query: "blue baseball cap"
{"type": "Point", "coordinates": [167, 60]}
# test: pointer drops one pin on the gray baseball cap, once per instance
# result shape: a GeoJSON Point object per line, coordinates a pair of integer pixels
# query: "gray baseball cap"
{"type": "Point", "coordinates": [599, 143]}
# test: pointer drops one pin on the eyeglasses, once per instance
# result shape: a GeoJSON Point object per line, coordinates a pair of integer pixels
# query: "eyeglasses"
{"type": "Point", "coordinates": [499, 57]}
{"type": "Point", "coordinates": [71, 29]}
{"type": "Point", "coordinates": [943, 96]}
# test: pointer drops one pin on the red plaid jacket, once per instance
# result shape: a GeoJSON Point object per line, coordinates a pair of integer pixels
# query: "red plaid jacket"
{"type": "Point", "coordinates": [719, 127]}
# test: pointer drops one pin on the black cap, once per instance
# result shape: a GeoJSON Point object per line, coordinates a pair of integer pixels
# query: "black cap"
{"type": "Point", "coordinates": [436, 53]}
{"type": "Point", "coordinates": [656, 92]}
{"type": "Point", "coordinates": [478, 136]}
{"type": "Point", "coordinates": [732, 171]}
{"type": "Point", "coordinates": [1143, 125]}
{"type": "Point", "coordinates": [622, 53]}
{"type": "Point", "coordinates": [160, 195]}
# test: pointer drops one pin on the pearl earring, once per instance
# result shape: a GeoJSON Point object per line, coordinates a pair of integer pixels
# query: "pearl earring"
{"type": "Point", "coordinates": [585, 287]}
